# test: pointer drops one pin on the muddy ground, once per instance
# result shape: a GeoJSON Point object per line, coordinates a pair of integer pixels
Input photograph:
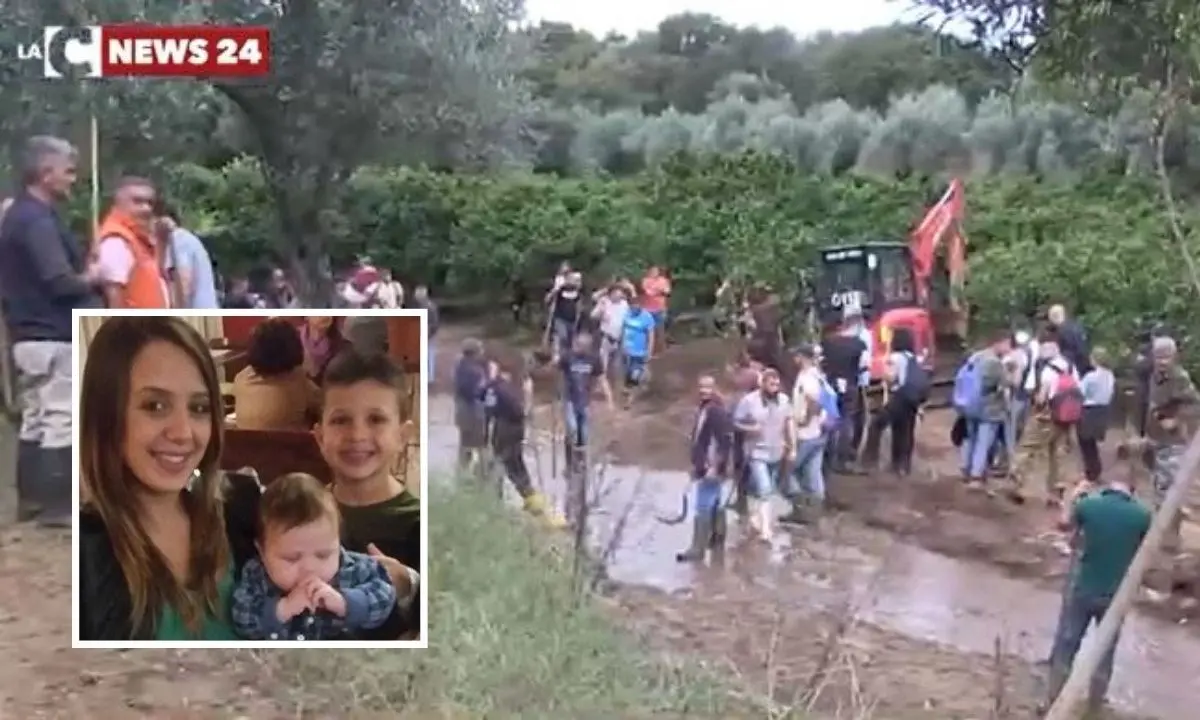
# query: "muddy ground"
{"type": "Point", "coordinates": [40, 677]}
{"type": "Point", "coordinates": [932, 507]}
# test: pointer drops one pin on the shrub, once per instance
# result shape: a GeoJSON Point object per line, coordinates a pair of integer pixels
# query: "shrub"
{"type": "Point", "coordinates": [508, 638]}
{"type": "Point", "coordinates": [1101, 244]}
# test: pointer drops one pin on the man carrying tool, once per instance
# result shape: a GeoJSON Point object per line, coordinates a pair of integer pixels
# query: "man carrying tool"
{"type": "Point", "coordinates": [710, 447]}
{"type": "Point", "coordinates": [566, 302]}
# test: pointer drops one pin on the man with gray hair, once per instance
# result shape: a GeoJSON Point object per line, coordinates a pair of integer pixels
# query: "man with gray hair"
{"type": "Point", "coordinates": [43, 277]}
{"type": "Point", "coordinates": [1172, 418]}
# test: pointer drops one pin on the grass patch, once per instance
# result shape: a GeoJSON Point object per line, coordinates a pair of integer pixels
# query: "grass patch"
{"type": "Point", "coordinates": [507, 638]}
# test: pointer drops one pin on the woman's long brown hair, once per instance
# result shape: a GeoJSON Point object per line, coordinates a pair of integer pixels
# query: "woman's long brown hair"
{"type": "Point", "coordinates": [104, 399]}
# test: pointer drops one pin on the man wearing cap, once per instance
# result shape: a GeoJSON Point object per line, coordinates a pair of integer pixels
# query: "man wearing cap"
{"type": "Point", "coordinates": [847, 357]}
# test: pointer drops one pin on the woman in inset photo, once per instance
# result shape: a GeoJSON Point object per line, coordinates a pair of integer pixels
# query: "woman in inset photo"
{"type": "Point", "coordinates": [159, 548]}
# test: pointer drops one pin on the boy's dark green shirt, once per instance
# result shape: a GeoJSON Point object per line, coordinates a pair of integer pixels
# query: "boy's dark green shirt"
{"type": "Point", "coordinates": [1114, 524]}
{"type": "Point", "coordinates": [393, 526]}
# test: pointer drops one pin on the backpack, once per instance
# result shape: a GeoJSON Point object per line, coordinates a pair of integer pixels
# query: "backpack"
{"type": "Point", "coordinates": [968, 390]}
{"type": "Point", "coordinates": [915, 389]}
{"type": "Point", "coordinates": [828, 400]}
{"type": "Point", "coordinates": [1066, 398]}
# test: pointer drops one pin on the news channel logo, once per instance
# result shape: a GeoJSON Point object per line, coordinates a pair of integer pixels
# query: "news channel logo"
{"type": "Point", "coordinates": [71, 52]}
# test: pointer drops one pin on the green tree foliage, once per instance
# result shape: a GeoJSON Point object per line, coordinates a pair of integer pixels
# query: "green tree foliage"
{"type": "Point", "coordinates": [431, 81]}
{"type": "Point", "coordinates": [682, 62]}
{"type": "Point", "coordinates": [1094, 244]}
{"type": "Point", "coordinates": [930, 131]}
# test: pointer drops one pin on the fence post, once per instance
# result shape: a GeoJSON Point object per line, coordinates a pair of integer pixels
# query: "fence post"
{"type": "Point", "coordinates": [8, 432]}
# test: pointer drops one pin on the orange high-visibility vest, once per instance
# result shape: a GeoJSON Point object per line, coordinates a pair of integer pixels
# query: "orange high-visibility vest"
{"type": "Point", "coordinates": [146, 288]}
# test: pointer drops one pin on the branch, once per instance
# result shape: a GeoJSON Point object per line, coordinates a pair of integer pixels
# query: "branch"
{"type": "Point", "coordinates": [1067, 705]}
{"type": "Point", "coordinates": [1161, 125]}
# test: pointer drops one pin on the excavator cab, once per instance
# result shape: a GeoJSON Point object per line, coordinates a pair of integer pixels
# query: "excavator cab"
{"type": "Point", "coordinates": [875, 276]}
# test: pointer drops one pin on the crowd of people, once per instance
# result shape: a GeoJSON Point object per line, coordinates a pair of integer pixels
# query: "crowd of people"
{"type": "Point", "coordinates": [1021, 401]}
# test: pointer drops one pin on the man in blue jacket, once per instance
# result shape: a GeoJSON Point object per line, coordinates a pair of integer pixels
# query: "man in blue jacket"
{"type": "Point", "coordinates": [44, 275]}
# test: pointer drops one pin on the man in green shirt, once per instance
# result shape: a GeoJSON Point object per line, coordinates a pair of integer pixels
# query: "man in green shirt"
{"type": "Point", "coordinates": [1112, 524]}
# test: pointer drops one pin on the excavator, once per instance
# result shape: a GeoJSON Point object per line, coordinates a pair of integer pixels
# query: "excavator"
{"type": "Point", "coordinates": [915, 285]}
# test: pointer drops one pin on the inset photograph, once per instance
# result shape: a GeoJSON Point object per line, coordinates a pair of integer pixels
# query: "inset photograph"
{"type": "Point", "coordinates": [249, 479]}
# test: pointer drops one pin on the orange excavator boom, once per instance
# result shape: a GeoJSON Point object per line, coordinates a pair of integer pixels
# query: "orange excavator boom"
{"type": "Point", "coordinates": [942, 221]}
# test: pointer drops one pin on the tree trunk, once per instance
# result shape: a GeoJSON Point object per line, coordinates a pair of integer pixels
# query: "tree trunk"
{"type": "Point", "coordinates": [1069, 704]}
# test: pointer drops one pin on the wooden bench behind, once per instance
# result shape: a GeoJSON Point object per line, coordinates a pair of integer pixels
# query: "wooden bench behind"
{"type": "Point", "coordinates": [277, 452]}
{"type": "Point", "coordinates": [273, 453]}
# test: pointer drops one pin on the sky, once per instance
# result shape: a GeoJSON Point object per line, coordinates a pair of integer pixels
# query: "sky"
{"type": "Point", "coordinates": [802, 17]}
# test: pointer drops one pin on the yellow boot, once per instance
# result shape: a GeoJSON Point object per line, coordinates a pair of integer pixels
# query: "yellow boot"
{"type": "Point", "coordinates": [536, 505]}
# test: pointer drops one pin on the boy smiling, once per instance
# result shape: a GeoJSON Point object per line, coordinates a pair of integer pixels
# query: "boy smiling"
{"type": "Point", "coordinates": [361, 436]}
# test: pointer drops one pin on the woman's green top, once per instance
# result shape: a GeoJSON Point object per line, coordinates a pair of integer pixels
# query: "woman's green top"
{"type": "Point", "coordinates": [171, 626]}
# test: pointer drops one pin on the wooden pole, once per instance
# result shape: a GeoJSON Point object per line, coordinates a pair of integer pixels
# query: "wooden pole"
{"type": "Point", "coordinates": [95, 138]}
{"type": "Point", "coordinates": [1070, 702]}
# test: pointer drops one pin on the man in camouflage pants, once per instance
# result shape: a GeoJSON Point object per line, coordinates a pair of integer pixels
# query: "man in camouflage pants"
{"type": "Point", "coordinates": [1172, 418]}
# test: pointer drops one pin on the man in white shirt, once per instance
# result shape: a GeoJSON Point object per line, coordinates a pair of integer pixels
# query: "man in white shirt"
{"type": "Point", "coordinates": [609, 314]}
{"type": "Point", "coordinates": [389, 294]}
{"type": "Point", "coordinates": [805, 485]}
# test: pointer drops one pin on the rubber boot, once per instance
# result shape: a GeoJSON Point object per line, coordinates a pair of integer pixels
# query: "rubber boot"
{"type": "Point", "coordinates": [29, 469]}
{"type": "Point", "coordinates": [536, 505]}
{"type": "Point", "coordinates": [720, 531]}
{"type": "Point", "coordinates": [55, 488]}
{"type": "Point", "coordinates": [702, 531]}
{"type": "Point", "coordinates": [798, 515]}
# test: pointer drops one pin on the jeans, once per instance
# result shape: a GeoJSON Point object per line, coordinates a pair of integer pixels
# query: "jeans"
{"type": "Point", "coordinates": [1089, 452]}
{"type": "Point", "coordinates": [808, 476]}
{"type": "Point", "coordinates": [763, 477]}
{"type": "Point", "coordinates": [1078, 612]}
{"type": "Point", "coordinates": [848, 434]}
{"type": "Point", "coordinates": [635, 370]}
{"type": "Point", "coordinates": [508, 446]}
{"type": "Point", "coordinates": [1014, 426]}
{"type": "Point", "coordinates": [708, 495]}
{"type": "Point", "coordinates": [981, 434]}
{"type": "Point", "coordinates": [576, 423]}
{"type": "Point", "coordinates": [429, 357]}
{"type": "Point", "coordinates": [900, 416]}
{"type": "Point", "coordinates": [562, 334]}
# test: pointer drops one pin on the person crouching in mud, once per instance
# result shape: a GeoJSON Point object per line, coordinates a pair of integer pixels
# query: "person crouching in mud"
{"type": "Point", "coordinates": [711, 444]}
{"type": "Point", "coordinates": [506, 403]}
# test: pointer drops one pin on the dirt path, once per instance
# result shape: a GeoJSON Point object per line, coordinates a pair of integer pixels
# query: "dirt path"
{"type": "Point", "coordinates": [42, 677]}
{"type": "Point", "coordinates": [931, 508]}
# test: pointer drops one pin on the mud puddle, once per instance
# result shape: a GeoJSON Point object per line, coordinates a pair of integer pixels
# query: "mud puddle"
{"type": "Point", "coordinates": [903, 588]}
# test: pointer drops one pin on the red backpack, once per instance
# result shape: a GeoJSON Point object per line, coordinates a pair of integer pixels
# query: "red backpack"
{"type": "Point", "coordinates": [1066, 398]}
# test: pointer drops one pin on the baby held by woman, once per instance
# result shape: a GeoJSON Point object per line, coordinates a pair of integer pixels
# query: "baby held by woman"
{"type": "Point", "coordinates": [304, 585]}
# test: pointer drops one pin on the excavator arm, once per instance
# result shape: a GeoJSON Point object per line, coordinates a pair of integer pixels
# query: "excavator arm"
{"type": "Point", "coordinates": [943, 224]}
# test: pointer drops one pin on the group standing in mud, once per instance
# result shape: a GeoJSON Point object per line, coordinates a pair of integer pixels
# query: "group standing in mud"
{"type": "Point", "coordinates": [1021, 402]}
